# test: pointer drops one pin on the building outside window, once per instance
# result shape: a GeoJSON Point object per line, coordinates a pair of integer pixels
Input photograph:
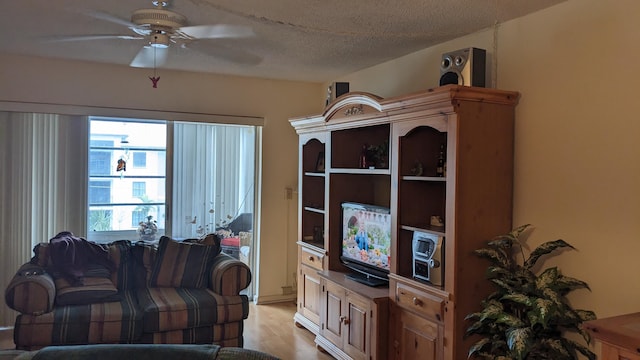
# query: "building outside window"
{"type": "Point", "coordinates": [122, 195]}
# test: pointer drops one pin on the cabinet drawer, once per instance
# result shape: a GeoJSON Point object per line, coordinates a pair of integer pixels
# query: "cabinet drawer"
{"type": "Point", "coordinates": [420, 302]}
{"type": "Point", "coordinates": [311, 258]}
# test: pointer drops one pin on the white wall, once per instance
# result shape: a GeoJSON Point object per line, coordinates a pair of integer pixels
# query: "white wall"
{"type": "Point", "coordinates": [29, 79]}
{"type": "Point", "coordinates": [577, 173]}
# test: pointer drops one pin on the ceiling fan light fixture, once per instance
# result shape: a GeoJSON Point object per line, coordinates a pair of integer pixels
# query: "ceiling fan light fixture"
{"type": "Point", "coordinates": [159, 40]}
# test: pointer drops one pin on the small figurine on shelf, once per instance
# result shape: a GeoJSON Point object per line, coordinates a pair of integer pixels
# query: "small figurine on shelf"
{"type": "Point", "coordinates": [364, 157]}
{"type": "Point", "coordinates": [441, 163]}
{"type": "Point", "coordinates": [417, 169]}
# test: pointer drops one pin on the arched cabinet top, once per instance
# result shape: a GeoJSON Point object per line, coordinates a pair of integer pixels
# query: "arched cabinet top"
{"type": "Point", "coordinates": [365, 109]}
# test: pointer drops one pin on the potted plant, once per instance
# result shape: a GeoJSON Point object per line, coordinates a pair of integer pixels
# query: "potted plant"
{"type": "Point", "coordinates": [148, 229]}
{"type": "Point", "coordinates": [528, 315]}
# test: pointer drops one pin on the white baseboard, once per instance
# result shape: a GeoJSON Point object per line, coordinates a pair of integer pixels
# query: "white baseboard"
{"type": "Point", "coordinates": [271, 299]}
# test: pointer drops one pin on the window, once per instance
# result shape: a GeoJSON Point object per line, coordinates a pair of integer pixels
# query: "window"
{"type": "Point", "coordinates": [99, 159]}
{"type": "Point", "coordinates": [139, 159]}
{"type": "Point", "coordinates": [121, 195]}
{"type": "Point", "coordinates": [99, 192]}
{"type": "Point", "coordinates": [139, 189]}
{"type": "Point", "coordinates": [212, 180]}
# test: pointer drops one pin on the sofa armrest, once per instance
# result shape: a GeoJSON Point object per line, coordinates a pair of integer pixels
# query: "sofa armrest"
{"type": "Point", "coordinates": [31, 290]}
{"type": "Point", "coordinates": [229, 275]}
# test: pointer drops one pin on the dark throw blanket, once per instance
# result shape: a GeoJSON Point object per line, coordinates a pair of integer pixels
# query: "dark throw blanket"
{"type": "Point", "coordinates": [71, 256]}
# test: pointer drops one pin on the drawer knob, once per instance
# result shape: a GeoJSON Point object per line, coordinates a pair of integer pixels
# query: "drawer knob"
{"type": "Point", "coordinates": [344, 320]}
{"type": "Point", "coordinates": [417, 302]}
{"type": "Point", "coordinates": [311, 258]}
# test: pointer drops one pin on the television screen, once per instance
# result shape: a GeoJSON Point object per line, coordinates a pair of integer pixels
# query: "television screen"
{"type": "Point", "coordinates": [366, 238]}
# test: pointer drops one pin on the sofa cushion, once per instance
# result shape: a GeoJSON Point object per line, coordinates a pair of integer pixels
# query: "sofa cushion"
{"type": "Point", "coordinates": [121, 255]}
{"type": "Point", "coordinates": [168, 309]}
{"type": "Point", "coordinates": [227, 334]}
{"type": "Point", "coordinates": [183, 264]}
{"type": "Point", "coordinates": [105, 322]}
{"type": "Point", "coordinates": [95, 289]}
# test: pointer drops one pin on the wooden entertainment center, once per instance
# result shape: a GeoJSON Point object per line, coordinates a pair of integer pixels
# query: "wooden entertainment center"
{"type": "Point", "coordinates": [470, 128]}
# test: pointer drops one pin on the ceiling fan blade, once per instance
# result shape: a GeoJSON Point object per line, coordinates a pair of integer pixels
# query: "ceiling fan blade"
{"type": "Point", "coordinates": [217, 31]}
{"type": "Point", "coordinates": [92, 37]}
{"type": "Point", "coordinates": [149, 57]}
{"type": "Point", "coordinates": [108, 17]}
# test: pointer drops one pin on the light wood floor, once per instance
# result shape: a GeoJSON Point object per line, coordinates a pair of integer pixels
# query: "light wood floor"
{"type": "Point", "coordinates": [270, 328]}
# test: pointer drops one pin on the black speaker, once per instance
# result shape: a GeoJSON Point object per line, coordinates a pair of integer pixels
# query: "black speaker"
{"type": "Point", "coordinates": [464, 67]}
{"type": "Point", "coordinates": [335, 90]}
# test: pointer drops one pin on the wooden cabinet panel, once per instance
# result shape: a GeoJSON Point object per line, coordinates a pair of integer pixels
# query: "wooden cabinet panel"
{"type": "Point", "coordinates": [309, 290]}
{"type": "Point", "coordinates": [311, 258]}
{"type": "Point", "coordinates": [351, 313]}
{"type": "Point", "coordinates": [333, 313]}
{"type": "Point", "coordinates": [310, 299]}
{"type": "Point", "coordinates": [419, 338]}
{"type": "Point", "coordinates": [420, 302]}
{"type": "Point", "coordinates": [356, 343]}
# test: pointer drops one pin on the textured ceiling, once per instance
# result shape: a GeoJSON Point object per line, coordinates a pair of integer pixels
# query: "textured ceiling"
{"type": "Point", "coordinates": [306, 40]}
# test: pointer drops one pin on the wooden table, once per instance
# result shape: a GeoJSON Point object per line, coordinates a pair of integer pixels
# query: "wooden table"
{"type": "Point", "coordinates": [619, 335]}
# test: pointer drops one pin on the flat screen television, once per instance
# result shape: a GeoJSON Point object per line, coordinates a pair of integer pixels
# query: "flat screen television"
{"type": "Point", "coordinates": [366, 242]}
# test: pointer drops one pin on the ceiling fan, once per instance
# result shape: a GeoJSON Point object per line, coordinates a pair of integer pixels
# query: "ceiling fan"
{"type": "Point", "coordinates": [162, 28]}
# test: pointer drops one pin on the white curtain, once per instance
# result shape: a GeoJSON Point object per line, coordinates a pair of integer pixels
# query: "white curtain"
{"type": "Point", "coordinates": [213, 170]}
{"type": "Point", "coordinates": [42, 186]}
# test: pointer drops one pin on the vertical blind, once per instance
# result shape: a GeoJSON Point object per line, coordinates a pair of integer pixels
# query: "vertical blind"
{"type": "Point", "coordinates": [42, 182]}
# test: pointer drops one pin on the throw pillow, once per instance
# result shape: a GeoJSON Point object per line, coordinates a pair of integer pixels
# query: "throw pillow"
{"type": "Point", "coordinates": [94, 290]}
{"type": "Point", "coordinates": [183, 264]}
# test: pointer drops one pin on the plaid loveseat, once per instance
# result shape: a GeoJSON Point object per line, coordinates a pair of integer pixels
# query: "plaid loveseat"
{"type": "Point", "coordinates": [170, 293]}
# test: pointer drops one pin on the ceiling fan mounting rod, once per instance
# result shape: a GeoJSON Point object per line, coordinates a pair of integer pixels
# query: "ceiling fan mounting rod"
{"type": "Point", "coordinates": [160, 4]}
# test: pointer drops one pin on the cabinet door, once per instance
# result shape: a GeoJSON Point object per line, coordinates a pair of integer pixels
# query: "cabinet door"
{"type": "Point", "coordinates": [419, 338]}
{"type": "Point", "coordinates": [309, 294]}
{"type": "Point", "coordinates": [610, 352]}
{"type": "Point", "coordinates": [357, 326]}
{"type": "Point", "coordinates": [333, 314]}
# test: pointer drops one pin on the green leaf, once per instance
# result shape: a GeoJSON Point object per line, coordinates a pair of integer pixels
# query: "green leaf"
{"type": "Point", "coordinates": [565, 283]}
{"type": "Point", "coordinates": [586, 315]}
{"type": "Point", "coordinates": [519, 298]}
{"type": "Point", "coordinates": [547, 278]}
{"type": "Point", "coordinates": [495, 256]}
{"type": "Point", "coordinates": [494, 272]}
{"type": "Point", "coordinates": [518, 342]}
{"type": "Point", "coordinates": [515, 233]}
{"type": "Point", "coordinates": [557, 347]}
{"type": "Point", "coordinates": [585, 351]}
{"type": "Point", "coordinates": [541, 312]}
{"type": "Point", "coordinates": [477, 347]}
{"type": "Point", "coordinates": [552, 295]}
{"type": "Point", "coordinates": [509, 320]}
{"type": "Point", "coordinates": [544, 249]}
